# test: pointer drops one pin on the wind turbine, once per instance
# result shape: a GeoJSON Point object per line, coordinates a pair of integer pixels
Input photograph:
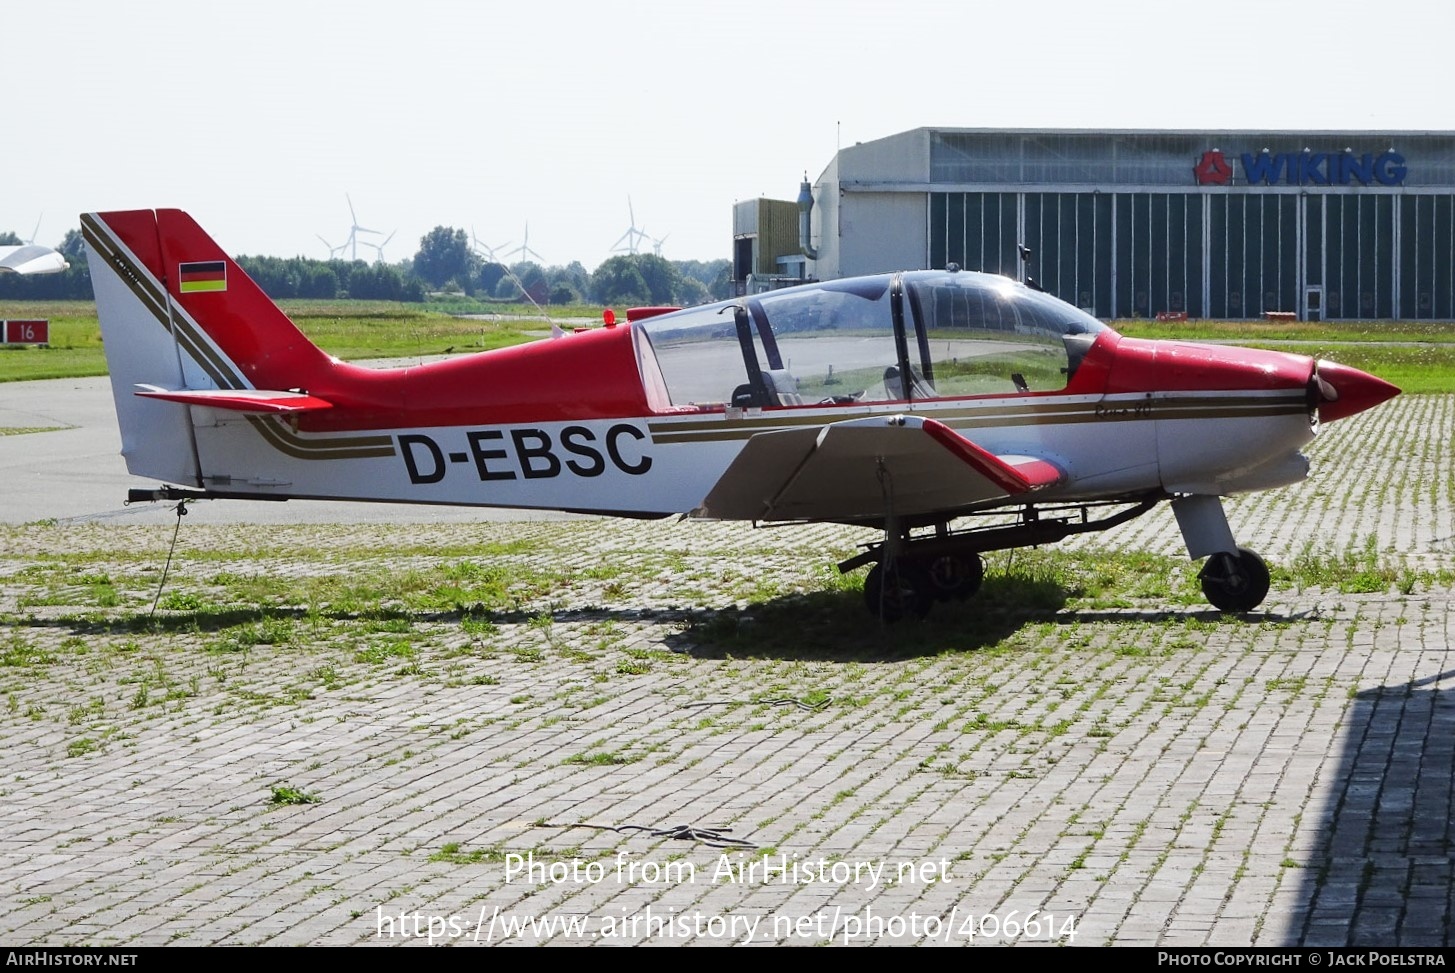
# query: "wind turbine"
{"type": "Point", "coordinates": [657, 244]}
{"type": "Point", "coordinates": [524, 249]}
{"type": "Point", "coordinates": [486, 252]}
{"type": "Point", "coordinates": [352, 243]}
{"type": "Point", "coordinates": [333, 251]}
{"type": "Point", "coordinates": [379, 247]}
{"type": "Point", "coordinates": [634, 235]}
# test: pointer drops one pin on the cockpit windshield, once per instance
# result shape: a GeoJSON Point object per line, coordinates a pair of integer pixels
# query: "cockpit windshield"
{"type": "Point", "coordinates": [890, 338]}
{"type": "Point", "coordinates": [977, 332]}
{"type": "Point", "coordinates": [836, 340]}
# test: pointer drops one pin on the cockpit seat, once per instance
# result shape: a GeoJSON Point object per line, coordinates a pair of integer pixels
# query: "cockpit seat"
{"type": "Point", "coordinates": [782, 386]}
{"type": "Point", "coordinates": [894, 387]}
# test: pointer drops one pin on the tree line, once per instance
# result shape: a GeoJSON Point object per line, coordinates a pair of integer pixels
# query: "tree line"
{"type": "Point", "coordinates": [444, 263]}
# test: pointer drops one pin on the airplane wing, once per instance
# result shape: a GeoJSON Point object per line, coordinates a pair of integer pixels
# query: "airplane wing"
{"type": "Point", "coordinates": [31, 259]}
{"type": "Point", "coordinates": [264, 401]}
{"type": "Point", "coordinates": [864, 468]}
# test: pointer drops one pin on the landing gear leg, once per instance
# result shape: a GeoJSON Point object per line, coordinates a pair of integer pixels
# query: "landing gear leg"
{"type": "Point", "coordinates": [898, 587]}
{"type": "Point", "coordinates": [1203, 524]}
{"type": "Point", "coordinates": [909, 573]}
{"type": "Point", "coordinates": [1234, 579]}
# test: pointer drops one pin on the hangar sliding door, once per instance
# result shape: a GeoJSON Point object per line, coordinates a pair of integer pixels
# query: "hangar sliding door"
{"type": "Point", "coordinates": [1069, 235]}
{"type": "Point", "coordinates": [1426, 235]}
{"type": "Point", "coordinates": [1253, 248]}
{"type": "Point", "coordinates": [978, 231]}
{"type": "Point", "coordinates": [1159, 245]}
{"type": "Point", "coordinates": [1359, 256]}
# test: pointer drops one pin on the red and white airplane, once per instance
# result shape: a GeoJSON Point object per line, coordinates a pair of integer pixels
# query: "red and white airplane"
{"type": "Point", "coordinates": [916, 403]}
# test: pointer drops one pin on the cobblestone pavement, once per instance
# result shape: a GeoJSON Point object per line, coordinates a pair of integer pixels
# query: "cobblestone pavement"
{"type": "Point", "coordinates": [560, 732]}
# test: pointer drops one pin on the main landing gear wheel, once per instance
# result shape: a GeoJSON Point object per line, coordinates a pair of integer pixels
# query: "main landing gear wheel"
{"type": "Point", "coordinates": [898, 590]}
{"type": "Point", "coordinates": [1235, 582]}
{"type": "Point", "coordinates": [954, 577]}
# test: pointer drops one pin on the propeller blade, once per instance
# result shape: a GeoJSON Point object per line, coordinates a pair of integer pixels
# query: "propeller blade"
{"type": "Point", "coordinates": [1342, 391]}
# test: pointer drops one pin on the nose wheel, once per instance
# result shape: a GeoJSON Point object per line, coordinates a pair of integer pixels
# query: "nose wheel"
{"type": "Point", "coordinates": [1235, 582]}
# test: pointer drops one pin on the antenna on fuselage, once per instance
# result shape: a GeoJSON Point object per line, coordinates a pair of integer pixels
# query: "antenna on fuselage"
{"type": "Point", "coordinates": [1026, 278]}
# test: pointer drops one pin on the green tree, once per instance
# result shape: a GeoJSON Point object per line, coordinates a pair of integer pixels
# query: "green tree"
{"type": "Point", "coordinates": [319, 281]}
{"type": "Point", "coordinates": [489, 276]}
{"type": "Point", "coordinates": [381, 282]}
{"type": "Point", "coordinates": [573, 273]}
{"type": "Point", "coordinates": [692, 291]}
{"type": "Point", "coordinates": [73, 247]}
{"type": "Point", "coordinates": [662, 279]}
{"type": "Point", "coordinates": [528, 275]}
{"type": "Point", "coordinates": [722, 286]}
{"type": "Point", "coordinates": [445, 253]}
{"type": "Point", "coordinates": [618, 281]}
{"type": "Point", "coordinates": [715, 275]}
{"type": "Point", "coordinates": [563, 293]}
{"type": "Point", "coordinates": [533, 279]}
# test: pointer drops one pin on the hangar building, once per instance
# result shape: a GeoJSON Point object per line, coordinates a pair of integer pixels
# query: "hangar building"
{"type": "Point", "coordinates": [1227, 224]}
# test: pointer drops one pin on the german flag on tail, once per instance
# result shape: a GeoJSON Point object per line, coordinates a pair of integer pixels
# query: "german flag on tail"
{"type": "Point", "coordinates": [206, 275]}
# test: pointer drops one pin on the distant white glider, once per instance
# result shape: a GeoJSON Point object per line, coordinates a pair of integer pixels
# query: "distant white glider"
{"type": "Point", "coordinates": [29, 258]}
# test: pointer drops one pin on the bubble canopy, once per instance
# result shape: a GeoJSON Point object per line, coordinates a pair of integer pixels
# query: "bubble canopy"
{"type": "Point", "coordinates": [887, 338]}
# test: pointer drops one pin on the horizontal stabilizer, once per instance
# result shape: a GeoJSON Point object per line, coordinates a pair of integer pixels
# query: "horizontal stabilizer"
{"type": "Point", "coordinates": [264, 401]}
{"type": "Point", "coordinates": [866, 469]}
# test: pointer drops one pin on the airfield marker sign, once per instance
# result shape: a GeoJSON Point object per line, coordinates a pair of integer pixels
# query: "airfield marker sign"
{"type": "Point", "coordinates": [27, 332]}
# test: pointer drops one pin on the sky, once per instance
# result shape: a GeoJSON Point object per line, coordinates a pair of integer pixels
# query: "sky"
{"type": "Point", "coordinates": [571, 118]}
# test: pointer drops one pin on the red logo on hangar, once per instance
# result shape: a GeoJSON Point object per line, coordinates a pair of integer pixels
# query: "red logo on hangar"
{"type": "Point", "coordinates": [1212, 169]}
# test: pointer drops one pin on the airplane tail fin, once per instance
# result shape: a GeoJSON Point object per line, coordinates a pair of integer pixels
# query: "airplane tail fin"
{"type": "Point", "coordinates": [181, 321]}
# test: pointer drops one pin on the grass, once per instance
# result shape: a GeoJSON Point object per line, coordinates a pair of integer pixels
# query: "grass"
{"type": "Point", "coordinates": [600, 758]}
{"type": "Point", "coordinates": [23, 430]}
{"type": "Point", "coordinates": [75, 345]}
{"type": "Point", "coordinates": [514, 613]}
{"type": "Point", "coordinates": [284, 794]}
{"type": "Point", "coordinates": [454, 854]}
{"type": "Point", "coordinates": [350, 613]}
{"type": "Point", "coordinates": [1359, 569]}
{"type": "Point", "coordinates": [351, 330]}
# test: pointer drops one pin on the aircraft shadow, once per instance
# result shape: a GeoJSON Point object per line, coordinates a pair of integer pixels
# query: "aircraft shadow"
{"type": "Point", "coordinates": [1382, 868]}
{"type": "Point", "coordinates": [824, 625]}
{"type": "Point", "coordinates": [222, 619]}
{"type": "Point", "coordinates": [835, 626]}
{"type": "Point", "coordinates": [1209, 615]}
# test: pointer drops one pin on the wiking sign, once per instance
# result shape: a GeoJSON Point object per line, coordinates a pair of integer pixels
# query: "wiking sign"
{"type": "Point", "coordinates": [1306, 168]}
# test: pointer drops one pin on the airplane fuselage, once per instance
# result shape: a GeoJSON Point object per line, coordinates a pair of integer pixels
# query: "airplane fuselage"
{"type": "Point", "coordinates": [902, 400]}
{"type": "Point", "coordinates": [1109, 445]}
{"type": "Point", "coordinates": [1222, 438]}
